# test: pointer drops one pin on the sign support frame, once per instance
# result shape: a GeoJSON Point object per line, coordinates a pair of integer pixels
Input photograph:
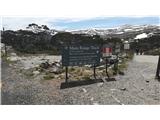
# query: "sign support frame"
{"type": "Point", "coordinates": [158, 69]}
{"type": "Point", "coordinates": [94, 71]}
{"type": "Point", "coordinates": [107, 68]}
{"type": "Point", "coordinates": [66, 70]}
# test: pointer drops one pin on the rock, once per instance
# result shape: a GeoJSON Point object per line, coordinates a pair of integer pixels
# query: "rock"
{"type": "Point", "coordinates": [121, 73]}
{"type": "Point", "coordinates": [120, 61]}
{"type": "Point", "coordinates": [100, 84]}
{"type": "Point", "coordinates": [36, 72]}
{"type": "Point", "coordinates": [13, 58]}
{"type": "Point", "coordinates": [45, 65]}
{"type": "Point", "coordinates": [84, 90]}
{"type": "Point", "coordinates": [13, 54]}
{"type": "Point", "coordinates": [113, 89]}
{"type": "Point", "coordinates": [56, 64]}
{"type": "Point", "coordinates": [92, 99]}
{"type": "Point", "coordinates": [56, 70]}
{"type": "Point", "coordinates": [147, 81]}
{"type": "Point", "coordinates": [100, 67]}
{"type": "Point", "coordinates": [123, 89]}
{"type": "Point", "coordinates": [95, 103]}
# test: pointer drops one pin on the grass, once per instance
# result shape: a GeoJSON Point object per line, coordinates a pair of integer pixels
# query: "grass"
{"type": "Point", "coordinates": [85, 78]}
{"type": "Point", "coordinates": [49, 76]}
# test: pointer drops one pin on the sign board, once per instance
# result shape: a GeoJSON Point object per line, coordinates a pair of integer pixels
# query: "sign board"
{"type": "Point", "coordinates": [126, 46]}
{"type": "Point", "coordinates": [117, 48]}
{"type": "Point", "coordinates": [106, 51]}
{"type": "Point", "coordinates": [77, 55]}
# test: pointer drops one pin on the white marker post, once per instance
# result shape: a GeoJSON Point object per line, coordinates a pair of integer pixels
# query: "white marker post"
{"type": "Point", "coordinates": [126, 46]}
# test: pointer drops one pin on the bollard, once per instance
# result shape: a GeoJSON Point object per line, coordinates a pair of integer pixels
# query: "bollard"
{"type": "Point", "coordinates": [158, 69]}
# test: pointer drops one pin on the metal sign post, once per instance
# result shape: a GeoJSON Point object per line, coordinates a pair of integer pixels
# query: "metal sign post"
{"type": "Point", "coordinates": [94, 72]}
{"type": "Point", "coordinates": [158, 69]}
{"type": "Point", "coordinates": [107, 68]}
{"type": "Point", "coordinates": [66, 79]}
{"type": "Point", "coordinates": [106, 53]}
{"type": "Point", "coordinates": [117, 51]}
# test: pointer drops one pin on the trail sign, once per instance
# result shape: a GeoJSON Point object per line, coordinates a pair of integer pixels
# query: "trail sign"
{"type": "Point", "coordinates": [117, 48]}
{"type": "Point", "coordinates": [106, 51]}
{"type": "Point", "coordinates": [126, 45]}
{"type": "Point", "coordinates": [78, 55]}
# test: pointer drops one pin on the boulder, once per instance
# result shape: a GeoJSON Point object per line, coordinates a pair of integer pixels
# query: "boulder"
{"type": "Point", "coordinates": [36, 72]}
{"type": "Point", "coordinates": [55, 69]}
{"type": "Point", "coordinates": [44, 65]}
{"type": "Point", "coordinates": [100, 84]}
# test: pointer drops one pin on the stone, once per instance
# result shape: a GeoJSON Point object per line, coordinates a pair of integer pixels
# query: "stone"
{"type": "Point", "coordinates": [113, 89]}
{"type": "Point", "coordinates": [92, 99]}
{"type": "Point", "coordinates": [121, 73]}
{"type": "Point", "coordinates": [13, 54]}
{"type": "Point", "coordinates": [84, 90]}
{"type": "Point", "coordinates": [55, 69]}
{"type": "Point", "coordinates": [95, 103]}
{"type": "Point", "coordinates": [123, 89]}
{"type": "Point", "coordinates": [100, 84]}
{"type": "Point", "coordinates": [44, 65]}
{"type": "Point", "coordinates": [13, 58]}
{"type": "Point", "coordinates": [36, 72]}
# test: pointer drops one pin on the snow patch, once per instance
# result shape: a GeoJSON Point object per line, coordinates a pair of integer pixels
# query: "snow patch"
{"type": "Point", "coordinates": [141, 36]}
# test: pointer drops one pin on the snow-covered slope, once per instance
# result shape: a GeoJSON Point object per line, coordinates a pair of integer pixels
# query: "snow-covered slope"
{"type": "Point", "coordinates": [119, 30]}
{"type": "Point", "coordinates": [141, 36]}
{"type": "Point", "coordinates": [36, 29]}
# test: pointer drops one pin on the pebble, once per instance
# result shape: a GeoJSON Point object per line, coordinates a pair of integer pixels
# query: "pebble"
{"type": "Point", "coordinates": [123, 89]}
{"type": "Point", "coordinates": [84, 90]}
{"type": "Point", "coordinates": [36, 72]}
{"type": "Point", "coordinates": [92, 99]}
{"type": "Point", "coordinates": [95, 103]}
{"type": "Point", "coordinates": [100, 84]}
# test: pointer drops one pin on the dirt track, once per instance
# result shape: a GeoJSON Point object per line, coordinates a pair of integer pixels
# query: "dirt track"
{"type": "Point", "coordinates": [137, 86]}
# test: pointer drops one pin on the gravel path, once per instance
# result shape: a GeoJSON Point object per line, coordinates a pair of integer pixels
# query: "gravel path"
{"type": "Point", "coordinates": [137, 86]}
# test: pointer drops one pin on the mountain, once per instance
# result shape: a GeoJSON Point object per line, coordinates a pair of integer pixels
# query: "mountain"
{"type": "Point", "coordinates": [41, 39]}
{"type": "Point", "coordinates": [43, 28]}
{"type": "Point", "coordinates": [123, 32]}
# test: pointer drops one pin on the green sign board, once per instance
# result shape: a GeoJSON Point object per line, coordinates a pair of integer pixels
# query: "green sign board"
{"type": "Point", "coordinates": [77, 55]}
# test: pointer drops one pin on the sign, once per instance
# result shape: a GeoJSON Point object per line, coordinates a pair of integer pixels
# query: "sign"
{"type": "Point", "coordinates": [106, 51]}
{"type": "Point", "coordinates": [80, 55]}
{"type": "Point", "coordinates": [126, 46]}
{"type": "Point", "coordinates": [117, 48]}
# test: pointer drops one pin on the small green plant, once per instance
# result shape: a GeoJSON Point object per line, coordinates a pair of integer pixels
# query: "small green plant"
{"type": "Point", "coordinates": [48, 76]}
{"type": "Point", "coordinates": [86, 78]}
{"type": "Point", "coordinates": [71, 69]}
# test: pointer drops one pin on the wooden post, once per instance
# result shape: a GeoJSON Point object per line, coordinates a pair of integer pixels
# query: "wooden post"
{"type": "Point", "coordinates": [116, 64]}
{"type": "Point", "coordinates": [94, 71]}
{"type": "Point", "coordinates": [158, 69]}
{"type": "Point", "coordinates": [5, 47]}
{"type": "Point", "coordinates": [66, 74]}
{"type": "Point", "coordinates": [107, 68]}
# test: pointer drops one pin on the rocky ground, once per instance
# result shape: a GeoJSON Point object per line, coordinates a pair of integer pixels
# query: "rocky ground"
{"type": "Point", "coordinates": [137, 86]}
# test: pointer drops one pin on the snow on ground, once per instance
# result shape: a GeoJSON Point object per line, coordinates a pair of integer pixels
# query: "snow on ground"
{"type": "Point", "coordinates": [140, 36]}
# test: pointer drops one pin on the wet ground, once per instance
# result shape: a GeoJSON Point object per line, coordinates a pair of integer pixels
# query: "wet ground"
{"type": "Point", "coordinates": [136, 87]}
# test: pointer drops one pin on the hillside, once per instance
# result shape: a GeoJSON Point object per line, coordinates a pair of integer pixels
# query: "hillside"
{"type": "Point", "coordinates": [41, 39]}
